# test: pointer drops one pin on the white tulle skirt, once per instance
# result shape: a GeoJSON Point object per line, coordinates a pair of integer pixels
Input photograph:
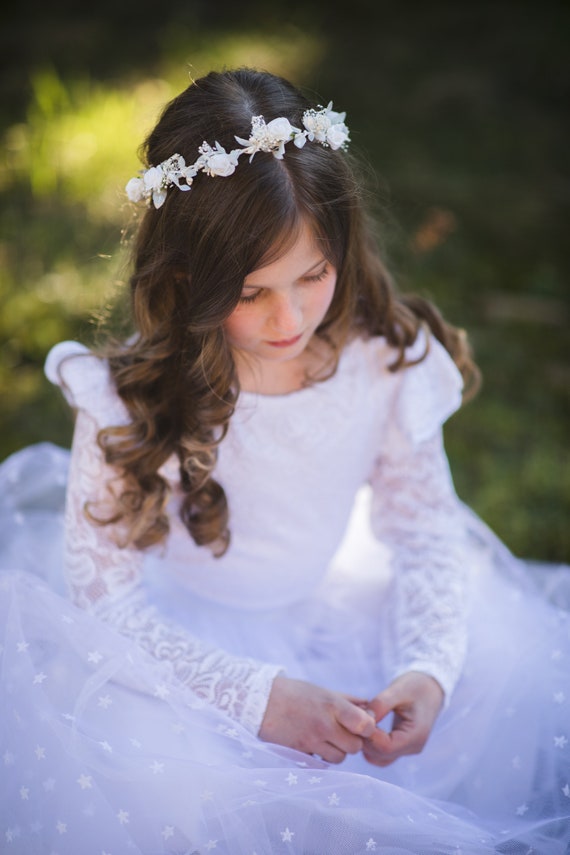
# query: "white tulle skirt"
{"type": "Point", "coordinates": [91, 765]}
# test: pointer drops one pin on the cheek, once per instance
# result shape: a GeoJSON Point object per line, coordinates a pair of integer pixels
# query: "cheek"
{"type": "Point", "coordinates": [238, 326]}
{"type": "Point", "coordinates": [324, 296]}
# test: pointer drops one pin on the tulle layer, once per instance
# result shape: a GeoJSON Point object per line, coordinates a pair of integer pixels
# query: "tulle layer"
{"type": "Point", "coordinates": [92, 764]}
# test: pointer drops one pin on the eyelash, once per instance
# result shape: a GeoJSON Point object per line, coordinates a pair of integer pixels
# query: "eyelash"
{"type": "Point", "coordinates": [317, 278]}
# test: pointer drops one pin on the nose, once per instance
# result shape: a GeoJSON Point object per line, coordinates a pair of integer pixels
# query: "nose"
{"type": "Point", "coordinates": [287, 315]}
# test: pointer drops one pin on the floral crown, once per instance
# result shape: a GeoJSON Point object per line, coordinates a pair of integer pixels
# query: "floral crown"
{"type": "Point", "coordinates": [324, 126]}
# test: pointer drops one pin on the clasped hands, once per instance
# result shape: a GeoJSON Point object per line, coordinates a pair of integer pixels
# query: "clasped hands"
{"type": "Point", "coordinates": [331, 725]}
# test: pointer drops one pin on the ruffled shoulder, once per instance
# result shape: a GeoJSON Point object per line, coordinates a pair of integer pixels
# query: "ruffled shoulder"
{"type": "Point", "coordinates": [429, 392]}
{"type": "Point", "coordinates": [85, 381]}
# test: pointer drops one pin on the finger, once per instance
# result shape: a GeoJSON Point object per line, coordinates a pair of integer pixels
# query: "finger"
{"type": "Point", "coordinates": [355, 719]}
{"type": "Point", "coordinates": [382, 705]}
{"type": "Point", "coordinates": [331, 754]}
{"type": "Point", "coordinates": [346, 741]}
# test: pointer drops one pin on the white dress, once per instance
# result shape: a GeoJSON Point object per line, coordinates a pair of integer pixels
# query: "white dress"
{"type": "Point", "coordinates": [133, 684]}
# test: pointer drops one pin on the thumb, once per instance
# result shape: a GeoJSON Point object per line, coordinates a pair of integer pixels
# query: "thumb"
{"type": "Point", "coordinates": [383, 704]}
{"type": "Point", "coordinates": [355, 719]}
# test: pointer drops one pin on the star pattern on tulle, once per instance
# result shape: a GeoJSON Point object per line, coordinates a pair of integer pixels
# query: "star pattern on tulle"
{"type": "Point", "coordinates": [291, 779]}
{"type": "Point", "coordinates": [85, 781]}
{"type": "Point", "coordinates": [566, 790]}
{"type": "Point", "coordinates": [24, 793]}
{"type": "Point", "coordinates": [334, 799]}
{"type": "Point", "coordinates": [167, 832]}
{"type": "Point", "coordinates": [61, 827]}
{"type": "Point", "coordinates": [206, 796]}
{"type": "Point", "coordinates": [156, 767]}
{"type": "Point", "coordinates": [22, 646]}
{"type": "Point", "coordinates": [371, 845]}
{"type": "Point", "coordinates": [123, 816]}
{"type": "Point", "coordinates": [211, 844]}
{"type": "Point", "coordinates": [315, 780]}
{"type": "Point", "coordinates": [94, 657]}
{"type": "Point", "coordinates": [287, 835]}
{"type": "Point", "coordinates": [40, 752]}
{"type": "Point", "coordinates": [39, 678]}
{"type": "Point", "coordinates": [161, 691]}
{"type": "Point", "coordinates": [106, 747]}
{"type": "Point", "coordinates": [560, 741]}
{"type": "Point", "coordinates": [104, 701]}
{"type": "Point", "coordinates": [521, 810]}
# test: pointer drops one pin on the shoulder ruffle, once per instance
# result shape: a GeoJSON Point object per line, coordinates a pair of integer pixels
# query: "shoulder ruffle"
{"type": "Point", "coordinates": [85, 382]}
{"type": "Point", "coordinates": [429, 392]}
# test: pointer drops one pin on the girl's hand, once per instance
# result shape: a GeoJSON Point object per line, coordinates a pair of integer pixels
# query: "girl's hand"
{"type": "Point", "coordinates": [314, 720]}
{"type": "Point", "coordinates": [415, 699]}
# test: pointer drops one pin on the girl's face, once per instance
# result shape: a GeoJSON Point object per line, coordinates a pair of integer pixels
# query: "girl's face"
{"type": "Point", "coordinates": [281, 306]}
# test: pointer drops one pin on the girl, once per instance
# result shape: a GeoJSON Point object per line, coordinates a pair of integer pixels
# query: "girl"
{"type": "Point", "coordinates": [286, 633]}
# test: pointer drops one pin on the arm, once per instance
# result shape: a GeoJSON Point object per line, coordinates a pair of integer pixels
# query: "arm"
{"type": "Point", "coordinates": [416, 513]}
{"type": "Point", "coordinates": [106, 580]}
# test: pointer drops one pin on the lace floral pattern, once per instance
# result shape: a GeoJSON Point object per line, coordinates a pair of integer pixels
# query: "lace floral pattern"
{"type": "Point", "coordinates": [430, 570]}
{"type": "Point", "coordinates": [107, 580]}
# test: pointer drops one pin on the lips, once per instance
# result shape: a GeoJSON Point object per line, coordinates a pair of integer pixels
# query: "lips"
{"type": "Point", "coordinates": [286, 342]}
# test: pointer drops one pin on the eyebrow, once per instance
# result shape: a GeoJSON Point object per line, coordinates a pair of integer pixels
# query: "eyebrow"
{"type": "Point", "coordinates": [322, 259]}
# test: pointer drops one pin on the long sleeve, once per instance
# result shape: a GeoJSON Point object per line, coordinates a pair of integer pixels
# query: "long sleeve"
{"type": "Point", "coordinates": [107, 580]}
{"type": "Point", "coordinates": [416, 512]}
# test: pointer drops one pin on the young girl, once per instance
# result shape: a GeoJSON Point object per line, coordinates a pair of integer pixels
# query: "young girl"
{"type": "Point", "coordinates": [280, 630]}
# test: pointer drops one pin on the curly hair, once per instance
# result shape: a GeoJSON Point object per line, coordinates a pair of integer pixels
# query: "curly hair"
{"type": "Point", "coordinates": [176, 374]}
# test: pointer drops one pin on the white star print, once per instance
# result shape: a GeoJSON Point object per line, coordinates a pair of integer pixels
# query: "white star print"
{"type": "Point", "coordinates": [291, 779]}
{"type": "Point", "coordinates": [61, 827]}
{"type": "Point", "coordinates": [106, 747]}
{"type": "Point", "coordinates": [135, 743]}
{"type": "Point", "coordinates": [67, 716]}
{"type": "Point", "coordinates": [521, 810]}
{"type": "Point", "coordinates": [560, 742]}
{"type": "Point", "coordinates": [287, 836]}
{"type": "Point", "coordinates": [371, 845]}
{"type": "Point", "coordinates": [85, 781]}
{"type": "Point", "coordinates": [39, 678]}
{"type": "Point", "coordinates": [67, 619]}
{"type": "Point", "coordinates": [231, 731]}
{"type": "Point", "coordinates": [211, 844]}
{"type": "Point", "coordinates": [123, 817]}
{"type": "Point", "coordinates": [94, 657]}
{"type": "Point", "coordinates": [22, 646]}
{"type": "Point", "coordinates": [24, 793]}
{"type": "Point", "coordinates": [104, 701]}
{"type": "Point", "coordinates": [315, 780]}
{"type": "Point", "coordinates": [334, 799]}
{"type": "Point", "coordinates": [161, 691]}
{"type": "Point", "coordinates": [206, 796]}
{"type": "Point", "coordinates": [40, 753]}
{"type": "Point", "coordinates": [566, 790]}
{"type": "Point", "coordinates": [167, 831]}
{"type": "Point", "coordinates": [156, 767]}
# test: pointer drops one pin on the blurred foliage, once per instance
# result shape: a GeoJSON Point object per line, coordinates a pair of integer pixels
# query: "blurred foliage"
{"type": "Point", "coordinates": [458, 110]}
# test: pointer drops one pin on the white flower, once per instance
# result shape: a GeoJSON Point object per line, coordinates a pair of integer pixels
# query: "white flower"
{"type": "Point", "coordinates": [153, 178]}
{"type": "Point", "coordinates": [217, 161]}
{"type": "Point", "coordinates": [135, 190]}
{"type": "Point", "coordinates": [337, 135]}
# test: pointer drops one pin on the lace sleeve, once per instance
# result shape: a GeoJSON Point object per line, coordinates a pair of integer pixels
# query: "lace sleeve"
{"type": "Point", "coordinates": [106, 579]}
{"type": "Point", "coordinates": [415, 511]}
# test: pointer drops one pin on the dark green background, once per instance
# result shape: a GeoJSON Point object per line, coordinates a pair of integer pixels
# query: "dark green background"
{"type": "Point", "coordinates": [462, 111]}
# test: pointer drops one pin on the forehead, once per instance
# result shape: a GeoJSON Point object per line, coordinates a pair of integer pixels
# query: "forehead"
{"type": "Point", "coordinates": [293, 260]}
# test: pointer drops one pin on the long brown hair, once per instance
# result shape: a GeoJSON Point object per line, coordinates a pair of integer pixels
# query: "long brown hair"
{"type": "Point", "coordinates": [190, 257]}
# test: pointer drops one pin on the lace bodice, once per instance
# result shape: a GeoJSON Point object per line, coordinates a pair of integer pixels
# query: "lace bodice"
{"type": "Point", "coordinates": [291, 466]}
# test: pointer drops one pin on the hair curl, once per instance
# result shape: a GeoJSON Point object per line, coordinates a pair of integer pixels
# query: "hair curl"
{"type": "Point", "coordinates": [176, 375]}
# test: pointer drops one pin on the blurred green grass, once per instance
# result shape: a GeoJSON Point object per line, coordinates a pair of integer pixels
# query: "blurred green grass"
{"type": "Point", "coordinates": [459, 111]}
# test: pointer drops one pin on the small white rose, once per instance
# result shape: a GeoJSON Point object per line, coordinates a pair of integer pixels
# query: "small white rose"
{"type": "Point", "coordinates": [337, 136]}
{"type": "Point", "coordinates": [135, 189]}
{"type": "Point", "coordinates": [153, 178]}
{"type": "Point", "coordinates": [280, 129]}
{"type": "Point", "coordinates": [220, 163]}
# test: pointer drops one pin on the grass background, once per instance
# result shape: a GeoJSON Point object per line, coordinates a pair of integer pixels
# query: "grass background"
{"type": "Point", "coordinates": [461, 110]}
